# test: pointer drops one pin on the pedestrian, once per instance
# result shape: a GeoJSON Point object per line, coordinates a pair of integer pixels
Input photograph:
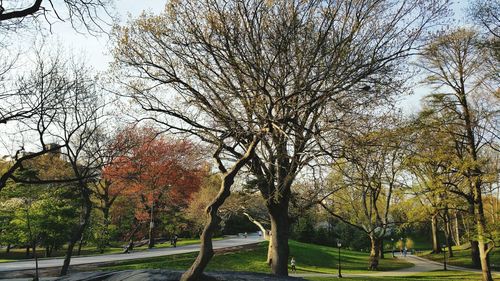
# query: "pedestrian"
{"type": "Point", "coordinates": [292, 263]}
{"type": "Point", "coordinates": [174, 241]}
{"type": "Point", "coordinates": [405, 251]}
{"type": "Point", "coordinates": [245, 235]}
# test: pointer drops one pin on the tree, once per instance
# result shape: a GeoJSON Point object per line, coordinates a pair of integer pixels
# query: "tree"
{"type": "Point", "coordinates": [434, 166]}
{"type": "Point", "coordinates": [31, 104]}
{"type": "Point", "coordinates": [158, 173]}
{"type": "Point", "coordinates": [276, 68]}
{"type": "Point", "coordinates": [90, 15]}
{"type": "Point", "coordinates": [76, 126]}
{"type": "Point", "coordinates": [455, 65]}
{"type": "Point", "coordinates": [363, 182]}
{"type": "Point", "coordinates": [486, 13]}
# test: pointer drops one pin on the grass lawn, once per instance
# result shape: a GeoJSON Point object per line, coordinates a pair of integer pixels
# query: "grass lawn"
{"type": "Point", "coordinates": [427, 276]}
{"type": "Point", "coordinates": [462, 258]}
{"type": "Point", "coordinates": [20, 254]}
{"type": "Point", "coordinates": [309, 257]}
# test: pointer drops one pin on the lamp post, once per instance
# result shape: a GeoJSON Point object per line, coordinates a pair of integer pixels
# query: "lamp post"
{"type": "Point", "coordinates": [392, 242]}
{"type": "Point", "coordinates": [444, 257]}
{"type": "Point", "coordinates": [340, 267]}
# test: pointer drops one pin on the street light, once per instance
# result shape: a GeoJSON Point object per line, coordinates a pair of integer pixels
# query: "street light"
{"type": "Point", "coordinates": [444, 256]}
{"type": "Point", "coordinates": [340, 268]}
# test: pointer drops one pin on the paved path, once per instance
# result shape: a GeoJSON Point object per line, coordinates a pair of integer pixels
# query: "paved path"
{"type": "Point", "coordinates": [420, 265]}
{"type": "Point", "coordinates": [57, 262]}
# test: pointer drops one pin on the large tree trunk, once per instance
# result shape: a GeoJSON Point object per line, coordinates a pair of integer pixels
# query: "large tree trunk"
{"type": "Point", "coordinates": [436, 249]}
{"type": "Point", "coordinates": [78, 231]}
{"type": "Point", "coordinates": [278, 212]}
{"type": "Point", "coordinates": [374, 252]}
{"type": "Point", "coordinates": [195, 272]}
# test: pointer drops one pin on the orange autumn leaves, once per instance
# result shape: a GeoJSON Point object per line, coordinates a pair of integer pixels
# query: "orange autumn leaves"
{"type": "Point", "coordinates": [154, 169]}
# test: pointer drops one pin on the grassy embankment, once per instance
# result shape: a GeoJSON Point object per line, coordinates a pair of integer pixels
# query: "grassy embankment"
{"type": "Point", "coordinates": [309, 257]}
{"type": "Point", "coordinates": [461, 257]}
{"type": "Point", "coordinates": [16, 254]}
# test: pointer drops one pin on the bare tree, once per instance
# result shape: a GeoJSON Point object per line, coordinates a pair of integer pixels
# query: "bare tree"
{"type": "Point", "coordinates": [226, 71]}
{"type": "Point", "coordinates": [75, 128]}
{"type": "Point", "coordinates": [487, 14]}
{"type": "Point", "coordinates": [32, 105]}
{"type": "Point", "coordinates": [90, 15]}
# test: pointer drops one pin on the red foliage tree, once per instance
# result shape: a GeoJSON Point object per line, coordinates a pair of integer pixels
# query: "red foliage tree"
{"type": "Point", "coordinates": [156, 174]}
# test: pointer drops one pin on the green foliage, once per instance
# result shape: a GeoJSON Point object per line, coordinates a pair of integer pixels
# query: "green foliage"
{"type": "Point", "coordinates": [43, 214]}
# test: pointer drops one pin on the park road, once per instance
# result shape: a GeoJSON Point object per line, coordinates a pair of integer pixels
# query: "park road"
{"type": "Point", "coordinates": [76, 260]}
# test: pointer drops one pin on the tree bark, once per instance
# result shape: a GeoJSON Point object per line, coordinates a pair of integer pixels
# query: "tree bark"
{"type": "Point", "coordinates": [278, 212]}
{"type": "Point", "coordinates": [436, 249]}
{"type": "Point", "coordinates": [195, 272]}
{"type": "Point", "coordinates": [270, 251]}
{"type": "Point", "coordinates": [8, 248]}
{"type": "Point", "coordinates": [80, 246]}
{"type": "Point", "coordinates": [151, 242]}
{"type": "Point", "coordinates": [78, 231]}
{"type": "Point", "coordinates": [381, 250]}
{"type": "Point", "coordinates": [457, 230]}
{"type": "Point", "coordinates": [448, 232]}
{"type": "Point", "coordinates": [481, 227]}
{"type": "Point", "coordinates": [374, 252]}
{"type": "Point", "coordinates": [265, 234]}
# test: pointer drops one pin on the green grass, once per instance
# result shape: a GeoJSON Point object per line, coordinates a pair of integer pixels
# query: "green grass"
{"type": "Point", "coordinates": [309, 257]}
{"type": "Point", "coordinates": [427, 276]}
{"type": "Point", "coordinates": [461, 257]}
{"type": "Point", "coordinates": [16, 254]}
{"type": "Point", "coordinates": [180, 242]}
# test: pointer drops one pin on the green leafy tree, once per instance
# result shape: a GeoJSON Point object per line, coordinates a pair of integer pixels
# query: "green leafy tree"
{"type": "Point", "coordinates": [463, 89]}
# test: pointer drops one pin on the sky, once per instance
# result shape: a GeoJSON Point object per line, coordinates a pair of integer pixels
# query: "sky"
{"type": "Point", "coordinates": [96, 49]}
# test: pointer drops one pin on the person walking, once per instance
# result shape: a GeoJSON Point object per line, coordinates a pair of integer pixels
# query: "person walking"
{"type": "Point", "coordinates": [292, 263]}
{"type": "Point", "coordinates": [174, 240]}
